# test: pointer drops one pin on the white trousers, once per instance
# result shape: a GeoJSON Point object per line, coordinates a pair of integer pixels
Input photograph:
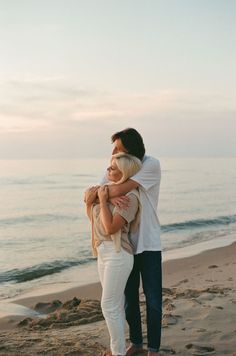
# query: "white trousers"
{"type": "Point", "coordinates": [114, 269]}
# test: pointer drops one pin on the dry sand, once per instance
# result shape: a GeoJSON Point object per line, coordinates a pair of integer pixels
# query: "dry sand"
{"type": "Point", "coordinates": [199, 313]}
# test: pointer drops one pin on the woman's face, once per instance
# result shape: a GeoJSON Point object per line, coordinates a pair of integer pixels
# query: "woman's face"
{"type": "Point", "coordinates": [113, 173]}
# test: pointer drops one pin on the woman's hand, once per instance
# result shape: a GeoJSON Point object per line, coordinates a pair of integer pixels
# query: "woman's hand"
{"type": "Point", "coordinates": [91, 195]}
{"type": "Point", "coordinates": [103, 193]}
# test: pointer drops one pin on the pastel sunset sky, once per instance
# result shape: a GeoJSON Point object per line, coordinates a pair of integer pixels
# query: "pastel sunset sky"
{"type": "Point", "coordinates": [73, 72]}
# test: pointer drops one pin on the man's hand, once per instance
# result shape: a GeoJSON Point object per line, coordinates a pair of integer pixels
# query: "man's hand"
{"type": "Point", "coordinates": [120, 202]}
{"type": "Point", "coordinates": [91, 195]}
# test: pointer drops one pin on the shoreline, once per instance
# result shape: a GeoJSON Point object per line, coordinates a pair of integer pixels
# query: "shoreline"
{"type": "Point", "coordinates": [90, 272]}
{"type": "Point", "coordinates": [173, 269]}
{"type": "Point", "coordinates": [199, 297]}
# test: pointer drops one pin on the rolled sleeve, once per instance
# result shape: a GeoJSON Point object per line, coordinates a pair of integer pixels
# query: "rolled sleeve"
{"type": "Point", "coordinates": [129, 213]}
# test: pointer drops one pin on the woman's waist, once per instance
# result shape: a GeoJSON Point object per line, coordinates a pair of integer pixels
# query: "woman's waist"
{"type": "Point", "coordinates": [100, 239]}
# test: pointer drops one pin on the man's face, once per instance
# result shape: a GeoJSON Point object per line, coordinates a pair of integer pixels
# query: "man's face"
{"type": "Point", "coordinates": [118, 147]}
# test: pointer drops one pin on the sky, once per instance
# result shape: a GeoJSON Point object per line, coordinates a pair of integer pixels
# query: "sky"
{"type": "Point", "coordinates": [73, 72]}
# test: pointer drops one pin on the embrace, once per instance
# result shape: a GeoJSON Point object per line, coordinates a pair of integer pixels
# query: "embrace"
{"type": "Point", "coordinates": [126, 242]}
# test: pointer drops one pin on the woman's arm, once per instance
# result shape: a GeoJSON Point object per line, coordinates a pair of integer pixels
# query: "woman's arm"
{"type": "Point", "coordinates": [88, 211]}
{"type": "Point", "coordinates": [111, 223]}
{"type": "Point", "coordinates": [90, 197]}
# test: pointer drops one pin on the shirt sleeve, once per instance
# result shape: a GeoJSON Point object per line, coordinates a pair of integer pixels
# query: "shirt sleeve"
{"type": "Point", "coordinates": [129, 213]}
{"type": "Point", "coordinates": [104, 180]}
{"type": "Point", "coordinates": [149, 175]}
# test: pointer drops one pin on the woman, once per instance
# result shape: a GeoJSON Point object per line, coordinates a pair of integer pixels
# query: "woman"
{"type": "Point", "coordinates": [111, 244]}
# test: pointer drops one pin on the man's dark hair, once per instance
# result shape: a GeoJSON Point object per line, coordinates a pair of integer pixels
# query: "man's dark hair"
{"type": "Point", "coordinates": [132, 142]}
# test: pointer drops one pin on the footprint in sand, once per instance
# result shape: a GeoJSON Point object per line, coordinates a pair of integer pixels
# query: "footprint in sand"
{"type": "Point", "coordinates": [198, 349]}
{"type": "Point", "coordinates": [181, 282]}
{"type": "Point", "coordinates": [201, 330]}
{"type": "Point", "coordinates": [213, 266]}
{"type": "Point", "coordinates": [167, 350]}
{"type": "Point", "coordinates": [170, 319]}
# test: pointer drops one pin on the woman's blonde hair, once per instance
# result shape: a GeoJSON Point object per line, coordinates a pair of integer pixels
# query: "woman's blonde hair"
{"type": "Point", "coordinates": [128, 165]}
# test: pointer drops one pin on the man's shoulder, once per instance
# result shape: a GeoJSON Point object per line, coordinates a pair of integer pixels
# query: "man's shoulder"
{"type": "Point", "coordinates": [150, 160]}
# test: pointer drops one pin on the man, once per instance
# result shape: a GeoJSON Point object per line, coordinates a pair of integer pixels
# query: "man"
{"type": "Point", "coordinates": [147, 259]}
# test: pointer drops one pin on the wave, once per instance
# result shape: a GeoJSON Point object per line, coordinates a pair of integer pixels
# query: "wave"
{"type": "Point", "coordinates": [50, 180]}
{"type": "Point", "coordinates": [49, 185]}
{"type": "Point", "coordinates": [199, 223]}
{"type": "Point", "coordinates": [194, 239]}
{"type": "Point", "coordinates": [40, 270]}
{"type": "Point", "coordinates": [186, 225]}
{"type": "Point", "coordinates": [45, 218]}
{"type": "Point", "coordinates": [26, 181]}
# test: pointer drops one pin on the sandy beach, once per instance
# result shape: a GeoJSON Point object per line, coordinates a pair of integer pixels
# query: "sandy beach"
{"type": "Point", "coordinates": [199, 313]}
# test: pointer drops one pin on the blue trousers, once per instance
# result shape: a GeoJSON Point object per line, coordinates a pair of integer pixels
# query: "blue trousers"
{"type": "Point", "coordinates": [147, 264]}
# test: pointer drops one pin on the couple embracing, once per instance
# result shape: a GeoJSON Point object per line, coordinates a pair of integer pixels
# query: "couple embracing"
{"type": "Point", "coordinates": [126, 241]}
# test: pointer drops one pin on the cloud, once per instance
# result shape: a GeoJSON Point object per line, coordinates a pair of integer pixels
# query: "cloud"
{"type": "Point", "coordinates": [57, 103]}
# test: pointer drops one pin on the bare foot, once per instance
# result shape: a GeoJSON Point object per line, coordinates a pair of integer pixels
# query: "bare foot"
{"type": "Point", "coordinates": [133, 350]}
{"type": "Point", "coordinates": [107, 353]}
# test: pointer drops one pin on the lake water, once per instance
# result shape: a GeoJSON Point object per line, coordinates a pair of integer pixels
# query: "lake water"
{"type": "Point", "coordinates": [45, 234]}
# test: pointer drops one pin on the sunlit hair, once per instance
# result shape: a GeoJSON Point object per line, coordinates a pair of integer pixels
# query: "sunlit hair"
{"type": "Point", "coordinates": [128, 165]}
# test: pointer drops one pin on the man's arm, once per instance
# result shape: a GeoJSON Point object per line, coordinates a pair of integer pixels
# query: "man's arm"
{"type": "Point", "coordinates": [117, 190]}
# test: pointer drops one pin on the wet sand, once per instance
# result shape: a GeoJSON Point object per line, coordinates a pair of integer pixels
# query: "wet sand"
{"type": "Point", "coordinates": [199, 313]}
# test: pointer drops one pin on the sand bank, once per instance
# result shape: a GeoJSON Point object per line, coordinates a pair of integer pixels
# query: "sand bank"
{"type": "Point", "coordinates": [199, 314]}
